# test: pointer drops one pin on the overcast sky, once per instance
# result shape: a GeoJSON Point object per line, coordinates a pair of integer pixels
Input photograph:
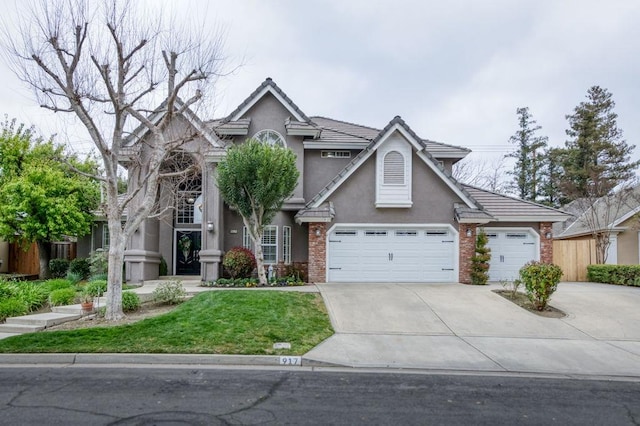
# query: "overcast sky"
{"type": "Point", "coordinates": [454, 70]}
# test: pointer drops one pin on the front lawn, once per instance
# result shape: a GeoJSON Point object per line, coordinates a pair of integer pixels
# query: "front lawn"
{"type": "Point", "coordinates": [217, 322]}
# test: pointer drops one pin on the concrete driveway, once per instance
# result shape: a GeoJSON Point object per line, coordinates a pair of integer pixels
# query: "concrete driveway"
{"type": "Point", "coordinates": [460, 327]}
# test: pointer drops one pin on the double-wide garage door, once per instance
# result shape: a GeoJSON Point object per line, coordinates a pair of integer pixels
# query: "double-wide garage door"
{"type": "Point", "coordinates": [387, 254]}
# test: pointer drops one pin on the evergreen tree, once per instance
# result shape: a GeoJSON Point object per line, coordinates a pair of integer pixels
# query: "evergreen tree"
{"type": "Point", "coordinates": [597, 158]}
{"type": "Point", "coordinates": [528, 154]}
{"type": "Point", "coordinates": [551, 175]}
{"type": "Point", "coordinates": [480, 261]}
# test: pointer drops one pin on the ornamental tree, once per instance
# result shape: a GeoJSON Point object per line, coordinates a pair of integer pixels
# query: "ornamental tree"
{"type": "Point", "coordinates": [109, 64]}
{"type": "Point", "coordinates": [42, 198]}
{"type": "Point", "coordinates": [254, 179]}
{"type": "Point", "coordinates": [480, 260]}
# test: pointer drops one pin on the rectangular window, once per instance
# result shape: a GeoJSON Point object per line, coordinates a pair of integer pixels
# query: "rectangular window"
{"type": "Point", "coordinates": [105, 236]}
{"type": "Point", "coordinates": [269, 243]}
{"type": "Point", "coordinates": [406, 233]}
{"type": "Point", "coordinates": [246, 239]}
{"type": "Point", "coordinates": [518, 236]}
{"type": "Point", "coordinates": [347, 233]}
{"type": "Point", "coordinates": [286, 245]}
{"type": "Point", "coordinates": [335, 154]}
{"type": "Point", "coordinates": [436, 232]}
{"type": "Point", "coordinates": [185, 208]}
{"type": "Point", "coordinates": [375, 233]}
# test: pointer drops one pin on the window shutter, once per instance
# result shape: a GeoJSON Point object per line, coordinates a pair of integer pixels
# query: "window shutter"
{"type": "Point", "coordinates": [393, 168]}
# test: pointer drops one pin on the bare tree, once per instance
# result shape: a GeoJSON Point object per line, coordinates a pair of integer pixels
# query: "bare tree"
{"type": "Point", "coordinates": [598, 216]}
{"type": "Point", "coordinates": [110, 65]}
{"type": "Point", "coordinates": [485, 174]}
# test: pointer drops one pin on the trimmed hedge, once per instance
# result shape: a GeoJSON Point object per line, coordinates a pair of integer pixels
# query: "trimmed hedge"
{"type": "Point", "coordinates": [614, 274]}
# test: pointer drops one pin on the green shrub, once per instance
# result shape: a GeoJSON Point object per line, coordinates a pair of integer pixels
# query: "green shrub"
{"type": "Point", "coordinates": [81, 267]}
{"type": "Point", "coordinates": [62, 296]}
{"type": "Point", "coordinates": [6, 290]}
{"type": "Point", "coordinates": [73, 277]}
{"type": "Point", "coordinates": [98, 262]}
{"type": "Point", "coordinates": [57, 284]}
{"type": "Point", "coordinates": [480, 260]}
{"type": "Point", "coordinates": [540, 280]}
{"type": "Point", "coordinates": [169, 293]}
{"type": "Point", "coordinates": [130, 301]}
{"type": "Point", "coordinates": [96, 288]}
{"type": "Point", "coordinates": [12, 308]}
{"type": "Point", "coordinates": [99, 277]}
{"type": "Point", "coordinates": [34, 295]}
{"type": "Point", "coordinates": [239, 262]}
{"type": "Point", "coordinates": [614, 274]}
{"type": "Point", "coordinates": [164, 270]}
{"type": "Point", "coordinates": [58, 267]}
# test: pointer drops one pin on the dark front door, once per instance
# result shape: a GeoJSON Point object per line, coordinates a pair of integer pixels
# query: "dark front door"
{"type": "Point", "coordinates": [188, 245]}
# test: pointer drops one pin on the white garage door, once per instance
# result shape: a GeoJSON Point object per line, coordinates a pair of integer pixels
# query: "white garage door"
{"type": "Point", "coordinates": [510, 250]}
{"type": "Point", "coordinates": [392, 255]}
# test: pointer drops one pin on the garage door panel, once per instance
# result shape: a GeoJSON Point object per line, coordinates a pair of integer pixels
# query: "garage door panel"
{"type": "Point", "coordinates": [392, 255]}
{"type": "Point", "coordinates": [510, 250]}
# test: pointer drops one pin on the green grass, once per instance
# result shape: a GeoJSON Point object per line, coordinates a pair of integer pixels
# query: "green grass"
{"type": "Point", "coordinates": [217, 322]}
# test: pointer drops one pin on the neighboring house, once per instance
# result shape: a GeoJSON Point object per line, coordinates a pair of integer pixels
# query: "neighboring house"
{"type": "Point", "coordinates": [616, 214]}
{"type": "Point", "coordinates": [371, 205]}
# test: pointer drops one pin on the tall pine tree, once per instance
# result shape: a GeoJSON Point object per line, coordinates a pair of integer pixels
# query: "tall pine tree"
{"type": "Point", "coordinates": [596, 159]}
{"type": "Point", "coordinates": [528, 169]}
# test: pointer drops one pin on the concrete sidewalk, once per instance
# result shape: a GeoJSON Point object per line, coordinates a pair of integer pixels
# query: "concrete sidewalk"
{"type": "Point", "coordinates": [468, 328]}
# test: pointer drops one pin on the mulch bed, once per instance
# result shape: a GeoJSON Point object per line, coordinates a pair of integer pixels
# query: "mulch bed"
{"type": "Point", "coordinates": [523, 301]}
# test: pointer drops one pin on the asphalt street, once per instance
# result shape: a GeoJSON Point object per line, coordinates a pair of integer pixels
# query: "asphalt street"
{"type": "Point", "coordinates": [199, 396]}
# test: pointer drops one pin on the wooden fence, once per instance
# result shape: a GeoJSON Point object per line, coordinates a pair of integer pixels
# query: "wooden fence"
{"type": "Point", "coordinates": [573, 256]}
{"type": "Point", "coordinates": [27, 261]}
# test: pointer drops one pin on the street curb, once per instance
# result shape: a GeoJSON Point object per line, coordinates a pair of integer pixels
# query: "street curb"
{"type": "Point", "coordinates": [150, 359]}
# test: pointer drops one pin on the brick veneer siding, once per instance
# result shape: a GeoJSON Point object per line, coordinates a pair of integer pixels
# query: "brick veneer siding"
{"type": "Point", "coordinates": [546, 244]}
{"type": "Point", "coordinates": [467, 248]}
{"type": "Point", "coordinates": [317, 253]}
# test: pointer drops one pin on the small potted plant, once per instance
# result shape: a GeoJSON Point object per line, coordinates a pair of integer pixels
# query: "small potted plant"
{"type": "Point", "coordinates": [86, 301]}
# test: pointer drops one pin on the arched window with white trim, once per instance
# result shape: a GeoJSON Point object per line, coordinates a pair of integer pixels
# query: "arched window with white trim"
{"type": "Point", "coordinates": [393, 173]}
{"type": "Point", "coordinates": [270, 137]}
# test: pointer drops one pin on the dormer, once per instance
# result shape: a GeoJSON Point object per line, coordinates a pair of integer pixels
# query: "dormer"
{"type": "Point", "coordinates": [393, 173]}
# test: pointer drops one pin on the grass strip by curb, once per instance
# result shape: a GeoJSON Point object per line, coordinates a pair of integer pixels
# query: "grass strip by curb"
{"type": "Point", "coordinates": [220, 322]}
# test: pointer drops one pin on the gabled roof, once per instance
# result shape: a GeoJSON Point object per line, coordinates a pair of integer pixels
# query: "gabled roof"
{"type": "Point", "coordinates": [267, 86]}
{"type": "Point", "coordinates": [156, 116]}
{"type": "Point", "coordinates": [344, 135]}
{"type": "Point", "coordinates": [397, 124]}
{"type": "Point", "coordinates": [510, 209]}
{"type": "Point", "coordinates": [609, 212]}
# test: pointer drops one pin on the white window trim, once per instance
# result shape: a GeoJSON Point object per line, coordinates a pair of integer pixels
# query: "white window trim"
{"type": "Point", "coordinates": [403, 199]}
{"type": "Point", "coordinates": [106, 240]}
{"type": "Point", "coordinates": [286, 245]}
{"type": "Point", "coordinates": [259, 134]}
{"type": "Point", "coordinates": [335, 154]}
{"type": "Point", "coordinates": [247, 242]}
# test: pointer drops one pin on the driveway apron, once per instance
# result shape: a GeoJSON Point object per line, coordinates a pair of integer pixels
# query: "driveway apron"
{"type": "Point", "coordinates": [471, 328]}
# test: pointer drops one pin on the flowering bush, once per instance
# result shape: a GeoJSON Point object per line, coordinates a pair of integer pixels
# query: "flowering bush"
{"type": "Point", "coordinates": [239, 262]}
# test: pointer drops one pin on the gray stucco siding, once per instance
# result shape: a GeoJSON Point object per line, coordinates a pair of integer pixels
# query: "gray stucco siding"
{"type": "Point", "coordinates": [269, 113]}
{"type": "Point", "coordinates": [299, 234]}
{"type": "Point", "coordinates": [320, 170]}
{"type": "Point", "coordinates": [433, 200]}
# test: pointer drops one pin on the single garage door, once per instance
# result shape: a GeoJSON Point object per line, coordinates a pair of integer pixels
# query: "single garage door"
{"type": "Point", "coordinates": [510, 250]}
{"type": "Point", "coordinates": [392, 254]}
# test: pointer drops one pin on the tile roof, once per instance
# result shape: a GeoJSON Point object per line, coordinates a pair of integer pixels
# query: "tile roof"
{"type": "Point", "coordinates": [337, 131]}
{"type": "Point", "coordinates": [268, 82]}
{"type": "Point", "coordinates": [355, 162]}
{"type": "Point", "coordinates": [605, 213]}
{"type": "Point", "coordinates": [506, 208]}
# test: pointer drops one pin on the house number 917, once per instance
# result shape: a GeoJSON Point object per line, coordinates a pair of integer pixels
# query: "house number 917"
{"type": "Point", "coordinates": [291, 360]}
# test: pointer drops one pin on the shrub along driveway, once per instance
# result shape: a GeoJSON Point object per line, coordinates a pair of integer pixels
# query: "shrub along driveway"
{"type": "Point", "coordinates": [459, 327]}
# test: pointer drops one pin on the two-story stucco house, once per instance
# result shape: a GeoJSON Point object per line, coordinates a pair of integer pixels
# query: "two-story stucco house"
{"type": "Point", "coordinates": [371, 204]}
